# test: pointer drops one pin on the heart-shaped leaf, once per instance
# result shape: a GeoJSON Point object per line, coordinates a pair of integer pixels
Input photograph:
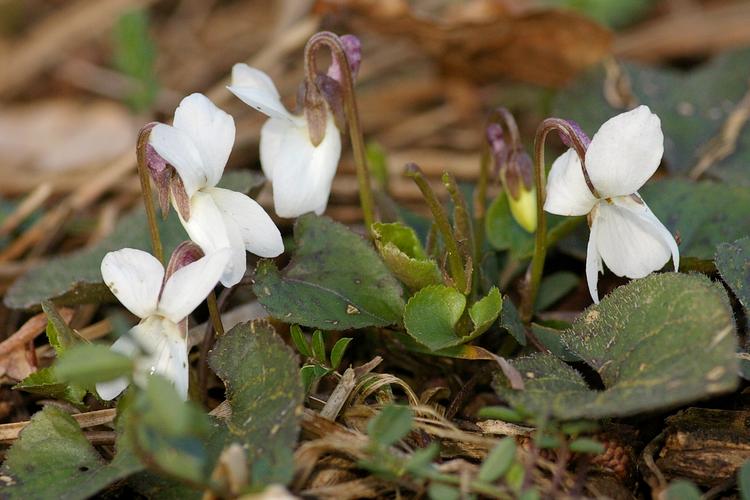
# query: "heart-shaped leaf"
{"type": "Point", "coordinates": [265, 393]}
{"type": "Point", "coordinates": [656, 343]}
{"type": "Point", "coordinates": [335, 281]}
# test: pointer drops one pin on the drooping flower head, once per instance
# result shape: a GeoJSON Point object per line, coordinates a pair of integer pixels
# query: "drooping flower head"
{"type": "Point", "coordinates": [514, 167]}
{"type": "Point", "coordinates": [159, 342]}
{"type": "Point", "coordinates": [625, 234]}
{"type": "Point", "coordinates": [299, 153]}
{"type": "Point", "coordinates": [198, 145]}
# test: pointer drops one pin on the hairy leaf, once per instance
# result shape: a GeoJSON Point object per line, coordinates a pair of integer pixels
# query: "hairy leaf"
{"type": "Point", "coordinates": [265, 393]}
{"type": "Point", "coordinates": [335, 281]}
{"type": "Point", "coordinates": [657, 342]}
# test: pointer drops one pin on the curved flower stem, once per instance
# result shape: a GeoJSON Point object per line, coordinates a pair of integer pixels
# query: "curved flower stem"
{"type": "Point", "coordinates": [148, 199]}
{"type": "Point", "coordinates": [455, 263]}
{"type": "Point", "coordinates": [534, 273]}
{"type": "Point", "coordinates": [331, 40]}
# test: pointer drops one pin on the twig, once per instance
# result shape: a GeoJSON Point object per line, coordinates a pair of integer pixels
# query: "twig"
{"type": "Point", "coordinates": [10, 432]}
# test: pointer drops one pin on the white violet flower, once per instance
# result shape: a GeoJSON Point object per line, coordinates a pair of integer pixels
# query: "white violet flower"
{"type": "Point", "coordinates": [300, 172]}
{"type": "Point", "coordinates": [625, 234]}
{"type": "Point", "coordinates": [197, 145]}
{"type": "Point", "coordinates": [158, 343]}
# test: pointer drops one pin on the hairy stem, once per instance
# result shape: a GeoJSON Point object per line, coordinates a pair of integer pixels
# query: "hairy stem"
{"type": "Point", "coordinates": [148, 199]}
{"type": "Point", "coordinates": [534, 273]}
{"type": "Point", "coordinates": [332, 42]}
{"type": "Point", "coordinates": [455, 263]}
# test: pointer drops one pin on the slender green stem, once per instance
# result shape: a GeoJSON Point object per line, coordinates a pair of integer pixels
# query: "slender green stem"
{"type": "Point", "coordinates": [463, 229]}
{"type": "Point", "coordinates": [213, 311]}
{"type": "Point", "coordinates": [330, 40]}
{"type": "Point", "coordinates": [480, 200]}
{"type": "Point", "coordinates": [455, 263]}
{"type": "Point", "coordinates": [534, 274]}
{"type": "Point", "coordinates": [148, 198]}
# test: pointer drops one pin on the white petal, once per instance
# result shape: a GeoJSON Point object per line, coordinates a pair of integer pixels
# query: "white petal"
{"type": "Point", "coordinates": [135, 278]}
{"type": "Point", "coordinates": [237, 266]}
{"type": "Point", "coordinates": [259, 234]}
{"type": "Point", "coordinates": [110, 390]}
{"type": "Point", "coordinates": [179, 150]}
{"type": "Point", "coordinates": [211, 130]}
{"type": "Point", "coordinates": [271, 140]}
{"type": "Point", "coordinates": [191, 284]}
{"type": "Point", "coordinates": [638, 207]}
{"type": "Point", "coordinates": [256, 89]}
{"type": "Point", "coordinates": [630, 243]}
{"type": "Point", "coordinates": [303, 173]}
{"type": "Point", "coordinates": [593, 263]}
{"type": "Point", "coordinates": [567, 192]}
{"type": "Point", "coordinates": [208, 228]}
{"type": "Point", "coordinates": [625, 152]}
{"type": "Point", "coordinates": [163, 350]}
{"type": "Point", "coordinates": [206, 224]}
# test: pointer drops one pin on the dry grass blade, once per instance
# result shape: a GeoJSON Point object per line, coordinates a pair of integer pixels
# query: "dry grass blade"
{"type": "Point", "coordinates": [10, 432]}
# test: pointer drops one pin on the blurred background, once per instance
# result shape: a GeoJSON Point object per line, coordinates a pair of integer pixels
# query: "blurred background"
{"type": "Point", "coordinates": [79, 79]}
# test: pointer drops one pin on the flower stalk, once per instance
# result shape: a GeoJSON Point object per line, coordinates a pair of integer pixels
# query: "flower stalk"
{"type": "Point", "coordinates": [455, 262]}
{"type": "Point", "coordinates": [148, 199]}
{"type": "Point", "coordinates": [338, 52]}
{"type": "Point", "coordinates": [534, 273]}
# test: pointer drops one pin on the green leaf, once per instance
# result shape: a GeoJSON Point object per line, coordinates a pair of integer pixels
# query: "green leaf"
{"type": "Point", "coordinates": [692, 107]}
{"type": "Point", "coordinates": [733, 262]}
{"type": "Point", "coordinates": [586, 445]}
{"type": "Point", "coordinates": [682, 489]}
{"type": "Point", "coordinates": [421, 460]}
{"type": "Point", "coordinates": [500, 413]}
{"type": "Point", "coordinates": [551, 338]}
{"type": "Point", "coordinates": [607, 12]}
{"type": "Point", "coordinates": [504, 233]}
{"type": "Point", "coordinates": [554, 287]}
{"type": "Point", "coordinates": [656, 343]}
{"type": "Point", "coordinates": [76, 278]}
{"type": "Point", "coordinates": [390, 425]}
{"type": "Point", "coordinates": [484, 312]}
{"type": "Point", "coordinates": [440, 491]}
{"type": "Point", "coordinates": [431, 316]}
{"type": "Point", "coordinates": [511, 321]}
{"type": "Point", "coordinates": [337, 353]}
{"type": "Point", "coordinates": [46, 383]}
{"type": "Point", "coordinates": [53, 459]}
{"type": "Point", "coordinates": [88, 364]}
{"type": "Point", "coordinates": [498, 461]}
{"type": "Point", "coordinates": [743, 481]}
{"type": "Point", "coordinates": [704, 214]}
{"type": "Point", "coordinates": [135, 57]}
{"type": "Point", "coordinates": [319, 347]}
{"type": "Point", "coordinates": [312, 373]}
{"type": "Point", "coordinates": [402, 252]}
{"type": "Point", "coordinates": [174, 434]}
{"type": "Point", "coordinates": [60, 335]}
{"type": "Point", "coordinates": [265, 392]}
{"type": "Point", "coordinates": [300, 341]}
{"type": "Point", "coordinates": [335, 281]}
